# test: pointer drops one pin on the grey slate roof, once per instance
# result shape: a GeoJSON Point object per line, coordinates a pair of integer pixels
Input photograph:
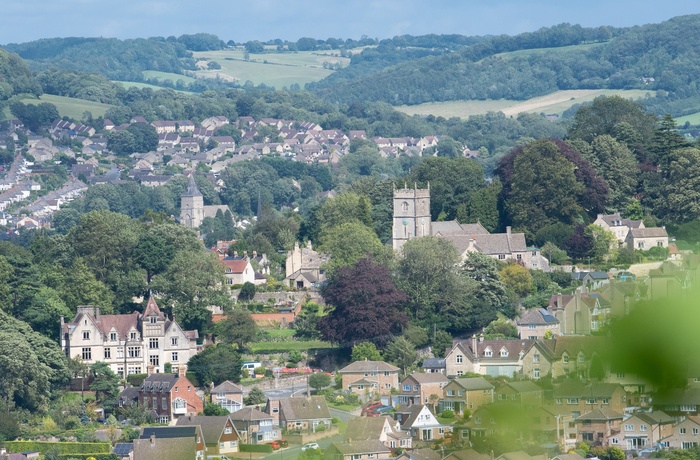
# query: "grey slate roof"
{"type": "Point", "coordinates": [361, 447]}
{"type": "Point", "coordinates": [434, 363]}
{"type": "Point", "coordinates": [227, 386]}
{"type": "Point", "coordinates": [212, 426]}
{"type": "Point", "coordinates": [474, 383]}
{"type": "Point", "coordinates": [368, 366]}
{"type": "Point", "coordinates": [304, 408]}
{"type": "Point", "coordinates": [537, 316]}
{"type": "Point", "coordinates": [651, 232]}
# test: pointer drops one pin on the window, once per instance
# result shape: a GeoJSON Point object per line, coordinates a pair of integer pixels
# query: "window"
{"type": "Point", "coordinates": [519, 257]}
{"type": "Point", "coordinates": [112, 336]}
{"type": "Point", "coordinates": [406, 387]}
{"type": "Point", "coordinates": [222, 445]}
{"type": "Point", "coordinates": [572, 401]}
{"type": "Point", "coordinates": [173, 341]}
{"type": "Point", "coordinates": [134, 352]}
{"type": "Point", "coordinates": [86, 335]}
{"type": "Point", "coordinates": [87, 353]}
{"type": "Point", "coordinates": [660, 244]}
{"type": "Point", "coordinates": [581, 358]}
{"type": "Point", "coordinates": [108, 353]}
{"type": "Point", "coordinates": [356, 457]}
{"type": "Point", "coordinates": [459, 359]}
{"type": "Point", "coordinates": [450, 392]}
{"type": "Point", "coordinates": [120, 352]}
{"type": "Point", "coordinates": [536, 373]}
{"type": "Point", "coordinates": [620, 375]}
{"type": "Point", "coordinates": [695, 431]}
{"type": "Point", "coordinates": [404, 206]}
{"type": "Point", "coordinates": [153, 344]}
{"type": "Point", "coordinates": [605, 401]}
{"type": "Point", "coordinates": [504, 353]}
{"type": "Point", "coordinates": [688, 408]}
{"type": "Point", "coordinates": [613, 441]}
{"type": "Point", "coordinates": [501, 256]}
{"type": "Point", "coordinates": [174, 357]}
{"type": "Point", "coordinates": [153, 359]}
{"type": "Point", "coordinates": [152, 319]}
{"type": "Point", "coordinates": [179, 403]}
{"type": "Point", "coordinates": [132, 336]}
{"type": "Point", "coordinates": [488, 352]}
{"type": "Point", "coordinates": [415, 387]}
{"type": "Point", "coordinates": [460, 373]}
{"type": "Point", "coordinates": [532, 326]}
{"type": "Point", "coordinates": [682, 431]}
{"type": "Point", "coordinates": [629, 427]}
{"type": "Point", "coordinates": [232, 443]}
{"type": "Point", "coordinates": [591, 401]}
{"type": "Point", "coordinates": [164, 403]}
{"type": "Point", "coordinates": [536, 358]}
{"type": "Point", "coordinates": [642, 427]}
{"type": "Point", "coordinates": [386, 373]}
{"type": "Point", "coordinates": [565, 359]}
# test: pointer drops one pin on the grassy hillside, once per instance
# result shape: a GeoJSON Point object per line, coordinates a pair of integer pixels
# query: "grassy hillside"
{"type": "Point", "coordinates": [551, 104]}
{"type": "Point", "coordinates": [693, 118]}
{"type": "Point", "coordinates": [71, 107]}
{"type": "Point", "coordinates": [272, 69]}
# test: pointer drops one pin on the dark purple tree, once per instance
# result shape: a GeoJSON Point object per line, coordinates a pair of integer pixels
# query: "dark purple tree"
{"type": "Point", "coordinates": [367, 306]}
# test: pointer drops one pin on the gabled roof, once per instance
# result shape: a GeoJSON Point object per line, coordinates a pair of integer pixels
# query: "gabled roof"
{"type": "Point", "coordinates": [601, 414]}
{"type": "Point", "coordinates": [227, 386]}
{"type": "Point", "coordinates": [159, 383]}
{"type": "Point", "coordinates": [655, 418]}
{"type": "Point", "coordinates": [537, 316]}
{"type": "Point", "coordinates": [212, 426]}
{"type": "Point", "coordinates": [249, 414]}
{"type": "Point", "coordinates": [525, 386]}
{"type": "Point", "coordinates": [304, 408]}
{"type": "Point", "coordinates": [512, 346]}
{"type": "Point", "coordinates": [474, 383]}
{"type": "Point", "coordinates": [235, 265]}
{"type": "Point", "coordinates": [413, 413]}
{"type": "Point", "coordinates": [168, 432]}
{"type": "Point", "coordinates": [651, 232]}
{"type": "Point", "coordinates": [423, 378]}
{"type": "Point", "coordinates": [572, 345]}
{"type": "Point", "coordinates": [434, 363]}
{"type": "Point", "coordinates": [366, 428]}
{"type": "Point", "coordinates": [368, 366]}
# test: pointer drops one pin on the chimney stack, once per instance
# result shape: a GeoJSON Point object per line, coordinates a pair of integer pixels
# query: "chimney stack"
{"type": "Point", "coordinates": [149, 369]}
{"type": "Point", "coordinates": [508, 230]}
{"type": "Point", "coordinates": [182, 370]}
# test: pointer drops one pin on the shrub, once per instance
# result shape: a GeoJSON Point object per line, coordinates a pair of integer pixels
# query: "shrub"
{"type": "Point", "coordinates": [447, 414]}
{"type": "Point", "coordinates": [264, 448]}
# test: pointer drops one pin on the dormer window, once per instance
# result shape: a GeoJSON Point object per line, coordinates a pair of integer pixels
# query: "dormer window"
{"type": "Point", "coordinates": [504, 353]}
{"type": "Point", "coordinates": [132, 335]}
{"type": "Point", "coordinates": [113, 336]}
{"type": "Point", "coordinates": [152, 319]}
{"type": "Point", "coordinates": [488, 352]}
{"type": "Point", "coordinates": [565, 359]}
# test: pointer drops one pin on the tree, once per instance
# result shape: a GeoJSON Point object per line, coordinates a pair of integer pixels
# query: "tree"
{"type": "Point", "coordinates": [319, 380]}
{"type": "Point", "coordinates": [306, 322]}
{"type": "Point", "coordinates": [366, 351]}
{"type": "Point", "coordinates": [212, 409]}
{"type": "Point", "coordinates": [501, 328]}
{"type": "Point", "coordinates": [247, 291]}
{"type": "Point", "coordinates": [618, 166]}
{"type": "Point", "coordinates": [345, 207]}
{"type": "Point", "coordinates": [349, 242]}
{"type": "Point", "coordinates": [215, 364]}
{"type": "Point", "coordinates": [105, 383]}
{"type": "Point", "coordinates": [256, 396]}
{"type": "Point", "coordinates": [555, 255]}
{"type": "Point", "coordinates": [45, 311]}
{"type": "Point", "coordinates": [367, 306]}
{"type": "Point", "coordinates": [238, 328]}
{"type": "Point", "coordinates": [603, 241]}
{"type": "Point", "coordinates": [21, 365]}
{"type": "Point", "coordinates": [145, 137]}
{"type": "Point", "coordinates": [402, 353]}
{"type": "Point", "coordinates": [442, 340]}
{"type": "Point", "coordinates": [680, 200]}
{"type": "Point", "coordinates": [517, 278]}
{"type": "Point", "coordinates": [489, 291]}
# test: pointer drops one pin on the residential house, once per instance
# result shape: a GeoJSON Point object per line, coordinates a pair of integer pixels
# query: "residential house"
{"type": "Point", "coordinates": [228, 395]}
{"type": "Point", "coordinates": [467, 454]}
{"type": "Point", "coordinates": [684, 435]}
{"type": "Point", "coordinates": [617, 225]}
{"type": "Point", "coordinates": [581, 398]}
{"type": "Point", "coordinates": [128, 343]}
{"type": "Point", "coordinates": [304, 267]}
{"type": "Point", "coordinates": [418, 420]}
{"type": "Point", "coordinates": [487, 357]}
{"type": "Point", "coordinates": [644, 430]}
{"type": "Point", "coordinates": [462, 394]}
{"type": "Point", "coordinates": [678, 402]}
{"type": "Point", "coordinates": [420, 454]}
{"type": "Point", "coordinates": [647, 238]}
{"type": "Point", "coordinates": [308, 414]}
{"type": "Point", "coordinates": [524, 393]}
{"type": "Point", "coordinates": [579, 314]}
{"type": "Point", "coordinates": [370, 376]}
{"type": "Point", "coordinates": [537, 322]}
{"type": "Point", "coordinates": [254, 426]}
{"type": "Point", "coordinates": [238, 271]}
{"type": "Point", "coordinates": [219, 433]}
{"type": "Point", "coordinates": [564, 355]}
{"type": "Point", "coordinates": [383, 428]}
{"type": "Point", "coordinates": [170, 443]}
{"type": "Point", "coordinates": [357, 450]}
{"type": "Point", "coordinates": [598, 426]}
{"type": "Point", "coordinates": [421, 388]}
{"type": "Point", "coordinates": [433, 365]}
{"type": "Point", "coordinates": [170, 396]}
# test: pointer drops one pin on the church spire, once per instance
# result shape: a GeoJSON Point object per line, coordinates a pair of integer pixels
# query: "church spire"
{"type": "Point", "coordinates": [192, 189]}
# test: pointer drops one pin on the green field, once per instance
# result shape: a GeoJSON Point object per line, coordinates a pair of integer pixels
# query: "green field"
{"type": "Point", "coordinates": [71, 107]}
{"type": "Point", "coordinates": [279, 347]}
{"type": "Point", "coordinates": [693, 118]}
{"type": "Point", "coordinates": [561, 49]}
{"type": "Point", "coordinates": [272, 69]}
{"type": "Point", "coordinates": [139, 85]}
{"type": "Point", "coordinates": [551, 104]}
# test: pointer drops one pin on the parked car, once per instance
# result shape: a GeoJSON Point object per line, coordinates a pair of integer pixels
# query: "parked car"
{"type": "Point", "coordinates": [311, 445]}
{"type": "Point", "coordinates": [381, 409]}
{"type": "Point", "coordinates": [275, 445]}
{"type": "Point", "coordinates": [370, 407]}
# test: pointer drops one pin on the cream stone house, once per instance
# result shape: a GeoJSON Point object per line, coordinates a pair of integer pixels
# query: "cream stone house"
{"type": "Point", "coordinates": [131, 343]}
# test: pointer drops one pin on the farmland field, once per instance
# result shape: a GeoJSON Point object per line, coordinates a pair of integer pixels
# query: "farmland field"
{"type": "Point", "coordinates": [693, 118]}
{"type": "Point", "coordinates": [71, 107]}
{"type": "Point", "coordinates": [554, 103]}
{"type": "Point", "coordinates": [272, 69]}
{"type": "Point", "coordinates": [167, 76]}
{"type": "Point", "coordinates": [139, 85]}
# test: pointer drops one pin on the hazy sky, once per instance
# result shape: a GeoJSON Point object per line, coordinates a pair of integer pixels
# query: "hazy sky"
{"type": "Point", "coordinates": [26, 20]}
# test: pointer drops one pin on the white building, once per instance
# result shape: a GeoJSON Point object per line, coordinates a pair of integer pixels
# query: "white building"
{"type": "Point", "coordinates": [128, 343]}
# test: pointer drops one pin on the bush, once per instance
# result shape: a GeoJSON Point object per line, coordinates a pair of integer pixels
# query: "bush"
{"type": "Point", "coordinates": [62, 448]}
{"type": "Point", "coordinates": [447, 413]}
{"type": "Point", "coordinates": [135, 380]}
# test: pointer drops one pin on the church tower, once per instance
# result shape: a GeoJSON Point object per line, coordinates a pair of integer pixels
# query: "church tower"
{"type": "Point", "coordinates": [411, 214]}
{"type": "Point", "coordinates": [192, 205]}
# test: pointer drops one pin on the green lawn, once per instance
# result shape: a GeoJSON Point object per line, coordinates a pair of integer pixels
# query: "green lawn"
{"type": "Point", "coordinates": [280, 332]}
{"type": "Point", "coordinates": [554, 103]}
{"type": "Point", "coordinates": [71, 107]}
{"type": "Point", "coordinates": [139, 85]}
{"type": "Point", "coordinates": [277, 347]}
{"type": "Point", "coordinates": [561, 49]}
{"type": "Point", "coordinates": [272, 69]}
